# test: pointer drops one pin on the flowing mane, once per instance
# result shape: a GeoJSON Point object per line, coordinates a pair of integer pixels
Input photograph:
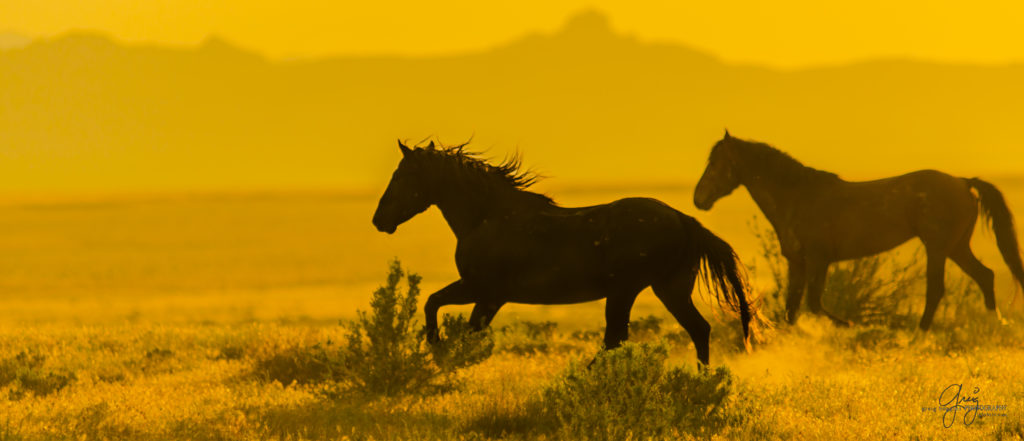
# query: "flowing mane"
{"type": "Point", "coordinates": [467, 166]}
{"type": "Point", "coordinates": [764, 158]}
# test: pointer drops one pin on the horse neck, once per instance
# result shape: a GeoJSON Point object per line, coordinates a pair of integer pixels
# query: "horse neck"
{"type": "Point", "coordinates": [776, 197]}
{"type": "Point", "coordinates": [773, 202]}
{"type": "Point", "coordinates": [466, 205]}
{"type": "Point", "coordinates": [462, 211]}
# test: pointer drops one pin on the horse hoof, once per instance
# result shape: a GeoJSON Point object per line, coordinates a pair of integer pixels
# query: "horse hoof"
{"type": "Point", "coordinates": [432, 336]}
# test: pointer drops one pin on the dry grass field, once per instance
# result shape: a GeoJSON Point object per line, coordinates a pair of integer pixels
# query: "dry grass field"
{"type": "Point", "coordinates": [207, 317]}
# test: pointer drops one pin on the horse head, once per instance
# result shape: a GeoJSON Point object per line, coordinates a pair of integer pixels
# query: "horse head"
{"type": "Point", "coordinates": [407, 194]}
{"type": "Point", "coordinates": [720, 177]}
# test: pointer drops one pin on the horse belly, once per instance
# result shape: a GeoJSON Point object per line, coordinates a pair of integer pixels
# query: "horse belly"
{"type": "Point", "coordinates": [856, 250]}
{"type": "Point", "coordinates": [555, 283]}
{"type": "Point", "coordinates": [574, 275]}
{"type": "Point", "coordinates": [869, 233]}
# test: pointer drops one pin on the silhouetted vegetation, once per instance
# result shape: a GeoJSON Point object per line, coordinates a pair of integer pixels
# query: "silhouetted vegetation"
{"type": "Point", "coordinates": [629, 393]}
{"type": "Point", "coordinates": [27, 374]}
{"type": "Point", "coordinates": [876, 290]}
{"type": "Point", "coordinates": [300, 365]}
{"type": "Point", "coordinates": [385, 353]}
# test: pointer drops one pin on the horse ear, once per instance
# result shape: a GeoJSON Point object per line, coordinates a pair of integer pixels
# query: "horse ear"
{"type": "Point", "coordinates": [726, 134]}
{"type": "Point", "coordinates": [405, 150]}
{"type": "Point", "coordinates": [431, 145]}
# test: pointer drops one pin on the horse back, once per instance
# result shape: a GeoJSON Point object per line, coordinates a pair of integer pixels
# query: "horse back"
{"type": "Point", "coordinates": [587, 250]}
{"type": "Point", "coordinates": [856, 219]}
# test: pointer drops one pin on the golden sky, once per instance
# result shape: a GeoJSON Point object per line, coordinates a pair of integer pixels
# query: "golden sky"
{"type": "Point", "coordinates": [783, 33]}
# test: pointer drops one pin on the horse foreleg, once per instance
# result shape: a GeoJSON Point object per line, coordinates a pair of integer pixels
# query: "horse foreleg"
{"type": "Point", "coordinates": [455, 293]}
{"type": "Point", "coordinates": [936, 274]}
{"type": "Point", "coordinates": [817, 274]}
{"type": "Point", "coordinates": [795, 290]}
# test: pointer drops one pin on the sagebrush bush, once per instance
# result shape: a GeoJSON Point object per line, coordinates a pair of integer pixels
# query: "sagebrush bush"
{"type": "Point", "coordinates": [527, 337]}
{"type": "Point", "coordinates": [461, 347]}
{"type": "Point", "coordinates": [26, 373]}
{"type": "Point", "coordinates": [875, 290]}
{"type": "Point", "coordinates": [300, 365]}
{"type": "Point", "coordinates": [385, 353]}
{"type": "Point", "coordinates": [963, 323]}
{"type": "Point", "coordinates": [628, 393]}
{"type": "Point", "coordinates": [645, 328]}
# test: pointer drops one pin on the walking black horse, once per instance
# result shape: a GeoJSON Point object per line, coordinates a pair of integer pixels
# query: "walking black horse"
{"type": "Point", "coordinates": [518, 246]}
{"type": "Point", "coordinates": [820, 218]}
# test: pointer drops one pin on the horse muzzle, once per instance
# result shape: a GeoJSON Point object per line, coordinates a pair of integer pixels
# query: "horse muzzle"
{"type": "Point", "coordinates": [377, 222]}
{"type": "Point", "coordinates": [704, 204]}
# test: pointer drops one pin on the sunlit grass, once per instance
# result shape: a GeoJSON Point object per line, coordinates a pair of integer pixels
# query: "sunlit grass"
{"type": "Point", "coordinates": [149, 381]}
{"type": "Point", "coordinates": [147, 328]}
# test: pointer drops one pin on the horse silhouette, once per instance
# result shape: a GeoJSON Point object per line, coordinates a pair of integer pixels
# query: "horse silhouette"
{"type": "Point", "coordinates": [820, 218]}
{"type": "Point", "coordinates": [518, 246]}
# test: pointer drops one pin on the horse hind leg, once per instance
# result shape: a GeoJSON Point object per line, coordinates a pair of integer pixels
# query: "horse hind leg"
{"type": "Point", "coordinates": [676, 294]}
{"type": "Point", "coordinates": [982, 275]}
{"type": "Point", "coordinates": [483, 313]}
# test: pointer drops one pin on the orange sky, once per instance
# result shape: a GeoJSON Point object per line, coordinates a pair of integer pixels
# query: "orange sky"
{"type": "Point", "coordinates": [786, 33]}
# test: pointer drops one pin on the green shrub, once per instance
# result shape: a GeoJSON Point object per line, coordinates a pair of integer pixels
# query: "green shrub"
{"type": "Point", "coordinates": [8, 432]}
{"type": "Point", "coordinates": [25, 371]}
{"type": "Point", "coordinates": [300, 365]}
{"type": "Point", "coordinates": [230, 352]}
{"type": "Point", "coordinates": [628, 393]}
{"type": "Point", "coordinates": [875, 290]}
{"type": "Point", "coordinates": [386, 355]}
{"type": "Point", "coordinates": [962, 323]}
{"type": "Point", "coordinates": [462, 347]}
{"type": "Point", "coordinates": [772, 301]}
{"type": "Point", "coordinates": [645, 328]}
{"type": "Point", "coordinates": [526, 337]}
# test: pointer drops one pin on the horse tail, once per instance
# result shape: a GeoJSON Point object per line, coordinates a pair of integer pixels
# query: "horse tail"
{"type": "Point", "coordinates": [997, 213]}
{"type": "Point", "coordinates": [720, 270]}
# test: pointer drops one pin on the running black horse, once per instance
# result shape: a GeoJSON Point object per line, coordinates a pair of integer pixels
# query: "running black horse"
{"type": "Point", "coordinates": [820, 218]}
{"type": "Point", "coordinates": [519, 246]}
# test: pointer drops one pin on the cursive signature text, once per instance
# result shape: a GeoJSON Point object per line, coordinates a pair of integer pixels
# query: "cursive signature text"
{"type": "Point", "coordinates": [952, 401]}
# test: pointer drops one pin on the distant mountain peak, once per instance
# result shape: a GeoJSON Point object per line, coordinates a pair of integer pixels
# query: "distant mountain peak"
{"type": "Point", "coordinates": [216, 42]}
{"type": "Point", "coordinates": [588, 23]}
{"type": "Point", "coordinates": [217, 46]}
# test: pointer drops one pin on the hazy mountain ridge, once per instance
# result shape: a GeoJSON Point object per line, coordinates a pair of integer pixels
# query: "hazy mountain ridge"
{"type": "Point", "coordinates": [11, 40]}
{"type": "Point", "coordinates": [584, 104]}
